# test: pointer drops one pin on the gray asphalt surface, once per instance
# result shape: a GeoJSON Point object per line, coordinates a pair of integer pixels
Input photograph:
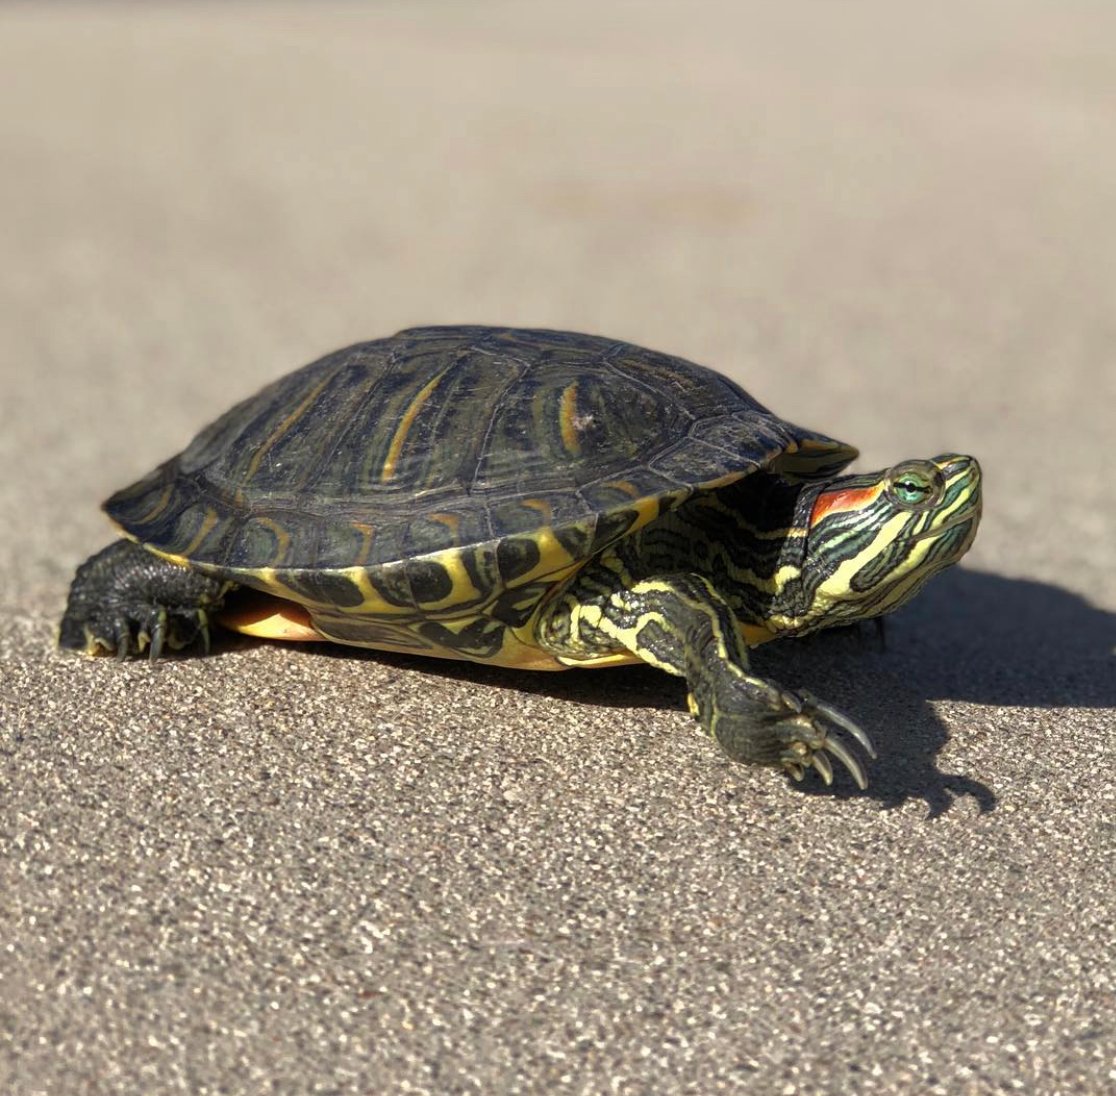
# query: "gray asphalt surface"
{"type": "Point", "coordinates": [297, 870]}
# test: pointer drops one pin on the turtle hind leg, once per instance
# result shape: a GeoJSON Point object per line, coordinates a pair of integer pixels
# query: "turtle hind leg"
{"type": "Point", "coordinates": [124, 599]}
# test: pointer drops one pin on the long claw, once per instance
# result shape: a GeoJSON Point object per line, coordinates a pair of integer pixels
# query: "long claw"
{"type": "Point", "coordinates": [794, 769]}
{"type": "Point", "coordinates": [824, 768]}
{"type": "Point", "coordinates": [840, 751]}
{"type": "Point", "coordinates": [158, 636]}
{"type": "Point", "coordinates": [841, 720]}
{"type": "Point", "coordinates": [122, 639]}
{"type": "Point", "coordinates": [203, 628]}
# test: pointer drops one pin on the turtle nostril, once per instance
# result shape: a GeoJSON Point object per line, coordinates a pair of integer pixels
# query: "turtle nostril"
{"type": "Point", "coordinates": [954, 464]}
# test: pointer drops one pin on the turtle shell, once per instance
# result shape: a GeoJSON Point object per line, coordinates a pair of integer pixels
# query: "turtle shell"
{"type": "Point", "coordinates": [427, 491]}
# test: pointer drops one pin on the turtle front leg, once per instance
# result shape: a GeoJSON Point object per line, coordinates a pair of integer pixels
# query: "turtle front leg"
{"type": "Point", "coordinates": [680, 624]}
{"type": "Point", "coordinates": [125, 599]}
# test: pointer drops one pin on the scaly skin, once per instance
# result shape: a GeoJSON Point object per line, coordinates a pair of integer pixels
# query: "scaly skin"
{"type": "Point", "coordinates": [681, 624]}
{"type": "Point", "coordinates": [683, 592]}
{"type": "Point", "coordinates": [124, 600]}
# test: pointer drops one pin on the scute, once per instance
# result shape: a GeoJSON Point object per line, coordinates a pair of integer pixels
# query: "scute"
{"type": "Point", "coordinates": [423, 475]}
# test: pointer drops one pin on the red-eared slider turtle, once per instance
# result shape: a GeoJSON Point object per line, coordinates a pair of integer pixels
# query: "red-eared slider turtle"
{"type": "Point", "coordinates": [536, 499]}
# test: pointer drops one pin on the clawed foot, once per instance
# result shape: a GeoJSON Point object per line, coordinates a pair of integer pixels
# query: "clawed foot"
{"type": "Point", "coordinates": [153, 628]}
{"type": "Point", "coordinates": [807, 740]}
{"type": "Point", "coordinates": [757, 722]}
{"type": "Point", "coordinates": [125, 600]}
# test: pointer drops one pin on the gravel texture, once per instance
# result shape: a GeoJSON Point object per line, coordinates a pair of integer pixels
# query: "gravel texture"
{"type": "Point", "coordinates": [297, 870]}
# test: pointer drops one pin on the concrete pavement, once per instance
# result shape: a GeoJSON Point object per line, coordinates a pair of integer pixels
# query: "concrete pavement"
{"type": "Point", "coordinates": [302, 870]}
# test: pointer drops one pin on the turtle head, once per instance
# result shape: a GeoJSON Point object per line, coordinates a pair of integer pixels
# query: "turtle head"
{"type": "Point", "coordinates": [871, 541]}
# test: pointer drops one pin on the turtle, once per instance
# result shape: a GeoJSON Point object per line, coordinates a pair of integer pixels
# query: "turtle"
{"type": "Point", "coordinates": [535, 499]}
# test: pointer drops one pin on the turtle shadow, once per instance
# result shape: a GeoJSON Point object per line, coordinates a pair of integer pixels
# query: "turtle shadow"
{"type": "Point", "coordinates": [632, 686]}
{"type": "Point", "coordinates": [971, 636]}
{"type": "Point", "coordinates": [858, 677]}
{"type": "Point", "coordinates": [983, 638]}
{"type": "Point", "coordinates": [845, 667]}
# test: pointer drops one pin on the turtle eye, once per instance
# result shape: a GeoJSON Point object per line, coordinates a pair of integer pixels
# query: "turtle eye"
{"type": "Point", "coordinates": [915, 485]}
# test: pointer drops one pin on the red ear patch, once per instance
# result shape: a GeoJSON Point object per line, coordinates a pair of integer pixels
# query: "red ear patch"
{"type": "Point", "coordinates": [852, 498]}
